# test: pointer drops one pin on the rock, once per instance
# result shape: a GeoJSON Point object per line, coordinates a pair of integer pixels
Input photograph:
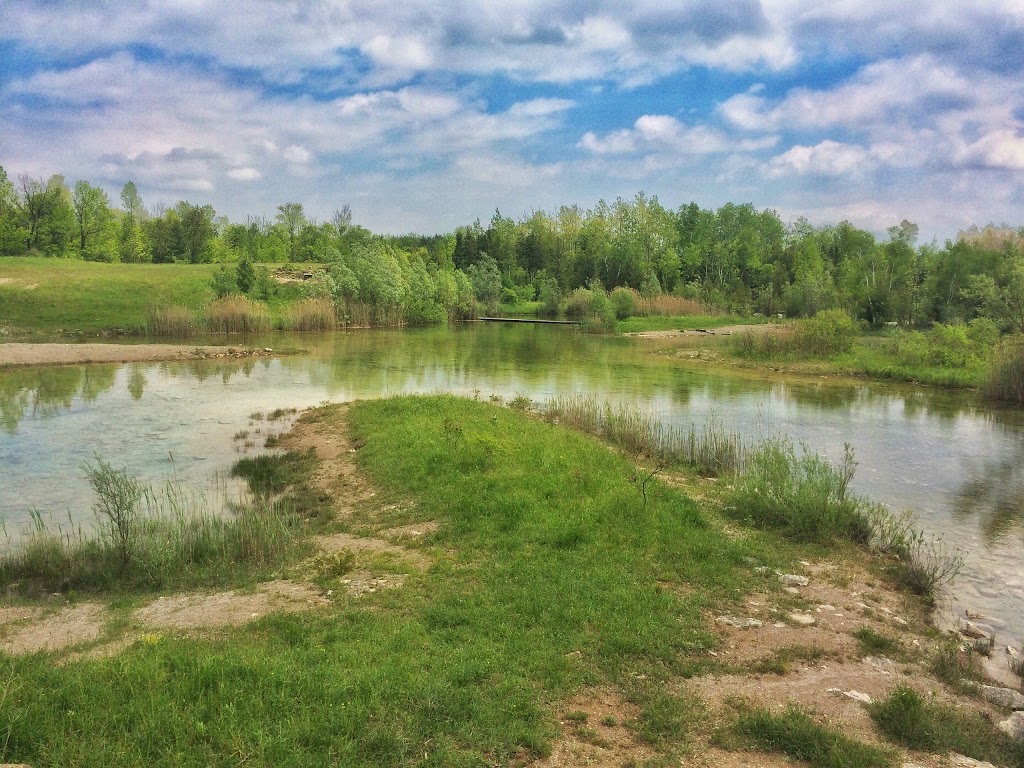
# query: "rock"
{"type": "Point", "coordinates": [1012, 652]}
{"type": "Point", "coordinates": [881, 663]}
{"type": "Point", "coordinates": [762, 569]}
{"type": "Point", "coordinates": [969, 629]}
{"type": "Point", "coordinates": [802, 619]}
{"type": "Point", "coordinates": [1002, 697]}
{"type": "Point", "coordinates": [826, 608]}
{"type": "Point", "coordinates": [957, 760]}
{"type": "Point", "coordinates": [1013, 726]}
{"type": "Point", "coordinates": [792, 580]}
{"type": "Point", "coordinates": [792, 590]}
{"type": "Point", "coordinates": [738, 622]}
{"type": "Point", "coordinates": [863, 698]}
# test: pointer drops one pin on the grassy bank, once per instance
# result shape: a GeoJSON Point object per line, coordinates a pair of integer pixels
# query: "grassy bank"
{"type": "Point", "coordinates": [55, 296]}
{"type": "Point", "coordinates": [557, 565]}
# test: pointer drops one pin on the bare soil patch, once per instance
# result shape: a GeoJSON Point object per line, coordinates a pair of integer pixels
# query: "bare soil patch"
{"type": "Point", "coordinates": [77, 354]}
{"type": "Point", "coordinates": [191, 612]}
{"type": "Point", "coordinates": [29, 631]}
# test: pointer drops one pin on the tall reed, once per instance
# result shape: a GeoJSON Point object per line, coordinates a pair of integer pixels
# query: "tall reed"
{"type": "Point", "coordinates": [711, 450]}
{"type": "Point", "coordinates": [1005, 377]}
{"type": "Point", "coordinates": [315, 314]}
{"type": "Point", "coordinates": [667, 305]}
{"type": "Point", "coordinates": [237, 314]}
{"type": "Point", "coordinates": [172, 322]}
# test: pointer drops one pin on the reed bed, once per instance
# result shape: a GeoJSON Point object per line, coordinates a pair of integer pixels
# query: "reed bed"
{"type": "Point", "coordinates": [1005, 378]}
{"type": "Point", "coordinates": [315, 314]}
{"type": "Point", "coordinates": [173, 322]}
{"type": "Point", "coordinates": [237, 314]}
{"type": "Point", "coordinates": [711, 449]}
{"type": "Point", "coordinates": [667, 305]}
{"type": "Point", "coordinates": [147, 538]}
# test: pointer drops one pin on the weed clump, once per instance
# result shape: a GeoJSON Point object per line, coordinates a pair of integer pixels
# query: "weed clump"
{"type": "Point", "coordinates": [313, 314]}
{"type": "Point", "coordinates": [172, 322]}
{"type": "Point", "coordinates": [801, 494]}
{"type": "Point", "coordinates": [797, 736]}
{"type": "Point", "coordinates": [1005, 378]}
{"type": "Point", "coordinates": [908, 719]}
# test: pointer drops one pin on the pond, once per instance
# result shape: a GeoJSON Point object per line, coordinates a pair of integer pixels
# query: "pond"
{"type": "Point", "coordinates": [958, 464]}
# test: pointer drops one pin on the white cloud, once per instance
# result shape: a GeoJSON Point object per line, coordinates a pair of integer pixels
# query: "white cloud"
{"type": "Point", "coordinates": [244, 174]}
{"type": "Point", "coordinates": [297, 154]}
{"type": "Point", "coordinates": [829, 158]}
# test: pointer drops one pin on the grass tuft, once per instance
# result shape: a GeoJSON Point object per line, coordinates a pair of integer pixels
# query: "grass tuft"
{"type": "Point", "coordinates": [911, 721]}
{"type": "Point", "coordinates": [315, 314]}
{"type": "Point", "coordinates": [799, 737]}
{"type": "Point", "coordinates": [1005, 377]}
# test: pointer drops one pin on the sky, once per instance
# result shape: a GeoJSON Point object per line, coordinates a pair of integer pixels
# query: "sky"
{"type": "Point", "coordinates": [424, 115]}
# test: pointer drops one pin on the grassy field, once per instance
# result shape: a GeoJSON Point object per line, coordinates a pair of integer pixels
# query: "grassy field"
{"type": "Point", "coordinates": [58, 296]}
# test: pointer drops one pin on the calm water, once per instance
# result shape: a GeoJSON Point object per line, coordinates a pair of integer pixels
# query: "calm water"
{"type": "Point", "coordinates": [957, 464]}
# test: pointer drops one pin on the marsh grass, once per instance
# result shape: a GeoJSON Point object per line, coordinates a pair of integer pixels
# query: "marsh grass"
{"type": "Point", "coordinates": [916, 723]}
{"type": "Point", "coordinates": [1004, 380]}
{"type": "Point", "coordinates": [800, 493]}
{"type": "Point", "coordinates": [711, 450]}
{"type": "Point", "coordinates": [667, 305]}
{"type": "Point", "coordinates": [315, 314]}
{"type": "Point", "coordinates": [146, 539]}
{"type": "Point", "coordinates": [795, 734]}
{"type": "Point", "coordinates": [237, 314]}
{"type": "Point", "coordinates": [172, 322]}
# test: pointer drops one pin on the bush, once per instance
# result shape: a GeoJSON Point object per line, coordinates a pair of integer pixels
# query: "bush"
{"type": "Point", "coordinates": [830, 332]}
{"type": "Point", "coordinates": [624, 302]}
{"type": "Point", "coordinates": [802, 494]}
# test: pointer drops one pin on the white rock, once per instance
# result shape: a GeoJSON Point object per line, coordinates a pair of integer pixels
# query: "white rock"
{"type": "Point", "coordinates": [792, 580]}
{"type": "Point", "coordinates": [1013, 726]}
{"type": "Point", "coordinates": [1012, 652]}
{"type": "Point", "coordinates": [792, 590]}
{"type": "Point", "coordinates": [1003, 697]}
{"type": "Point", "coordinates": [863, 698]}
{"type": "Point", "coordinates": [972, 630]}
{"type": "Point", "coordinates": [881, 663]}
{"type": "Point", "coordinates": [957, 760]}
{"type": "Point", "coordinates": [826, 607]}
{"type": "Point", "coordinates": [736, 621]}
{"type": "Point", "coordinates": [803, 619]}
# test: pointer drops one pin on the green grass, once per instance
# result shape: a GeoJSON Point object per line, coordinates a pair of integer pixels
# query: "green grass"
{"type": "Point", "coordinates": [871, 643]}
{"type": "Point", "coordinates": [916, 723]}
{"type": "Point", "coordinates": [682, 323]}
{"type": "Point", "coordinates": [796, 735]}
{"type": "Point", "coordinates": [72, 296]}
{"type": "Point", "coordinates": [550, 574]}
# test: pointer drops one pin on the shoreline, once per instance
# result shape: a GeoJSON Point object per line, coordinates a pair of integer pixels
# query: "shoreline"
{"type": "Point", "coordinates": [17, 354]}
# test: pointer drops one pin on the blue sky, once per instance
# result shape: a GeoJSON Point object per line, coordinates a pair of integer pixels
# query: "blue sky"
{"type": "Point", "coordinates": [427, 114]}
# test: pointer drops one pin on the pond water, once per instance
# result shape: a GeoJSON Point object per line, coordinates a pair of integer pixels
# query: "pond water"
{"type": "Point", "coordinates": [958, 464]}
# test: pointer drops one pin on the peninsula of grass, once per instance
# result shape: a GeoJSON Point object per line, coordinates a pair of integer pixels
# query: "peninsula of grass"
{"type": "Point", "coordinates": [550, 573]}
{"type": "Point", "coordinates": [558, 565]}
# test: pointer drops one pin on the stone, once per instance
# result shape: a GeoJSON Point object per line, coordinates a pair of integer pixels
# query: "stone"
{"type": "Point", "coordinates": [792, 590]}
{"type": "Point", "coordinates": [956, 760]}
{"type": "Point", "coordinates": [802, 619]}
{"type": "Point", "coordinates": [969, 629]}
{"type": "Point", "coordinates": [1002, 697]}
{"type": "Point", "coordinates": [881, 663]}
{"type": "Point", "coordinates": [1013, 726]}
{"type": "Point", "coordinates": [863, 698]}
{"type": "Point", "coordinates": [793, 580]}
{"type": "Point", "coordinates": [738, 622]}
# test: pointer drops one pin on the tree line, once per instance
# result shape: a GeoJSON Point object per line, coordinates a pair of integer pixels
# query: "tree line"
{"type": "Point", "coordinates": [736, 257]}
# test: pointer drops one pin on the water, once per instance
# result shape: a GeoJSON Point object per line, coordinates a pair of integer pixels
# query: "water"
{"type": "Point", "coordinates": [958, 464]}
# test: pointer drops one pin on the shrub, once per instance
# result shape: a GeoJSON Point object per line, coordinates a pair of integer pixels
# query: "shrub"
{"type": "Point", "coordinates": [830, 332]}
{"type": "Point", "coordinates": [800, 493]}
{"type": "Point", "coordinates": [577, 306]}
{"type": "Point", "coordinates": [237, 314]}
{"type": "Point", "coordinates": [624, 301]}
{"type": "Point", "coordinates": [671, 306]}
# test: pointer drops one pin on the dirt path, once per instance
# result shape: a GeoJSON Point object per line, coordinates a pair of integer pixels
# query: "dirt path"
{"type": "Point", "coordinates": [725, 330]}
{"type": "Point", "coordinates": [75, 354]}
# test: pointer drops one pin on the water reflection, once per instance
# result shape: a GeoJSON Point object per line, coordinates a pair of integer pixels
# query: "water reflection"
{"type": "Point", "coordinates": [994, 494]}
{"type": "Point", "coordinates": [43, 392]}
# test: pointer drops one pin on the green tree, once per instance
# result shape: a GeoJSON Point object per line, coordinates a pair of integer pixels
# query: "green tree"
{"type": "Point", "coordinates": [96, 227]}
{"type": "Point", "coordinates": [291, 219]}
{"type": "Point", "coordinates": [12, 235]}
{"type": "Point", "coordinates": [132, 244]}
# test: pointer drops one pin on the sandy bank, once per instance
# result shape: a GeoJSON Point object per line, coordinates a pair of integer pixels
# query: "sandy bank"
{"type": "Point", "coordinates": [72, 354]}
